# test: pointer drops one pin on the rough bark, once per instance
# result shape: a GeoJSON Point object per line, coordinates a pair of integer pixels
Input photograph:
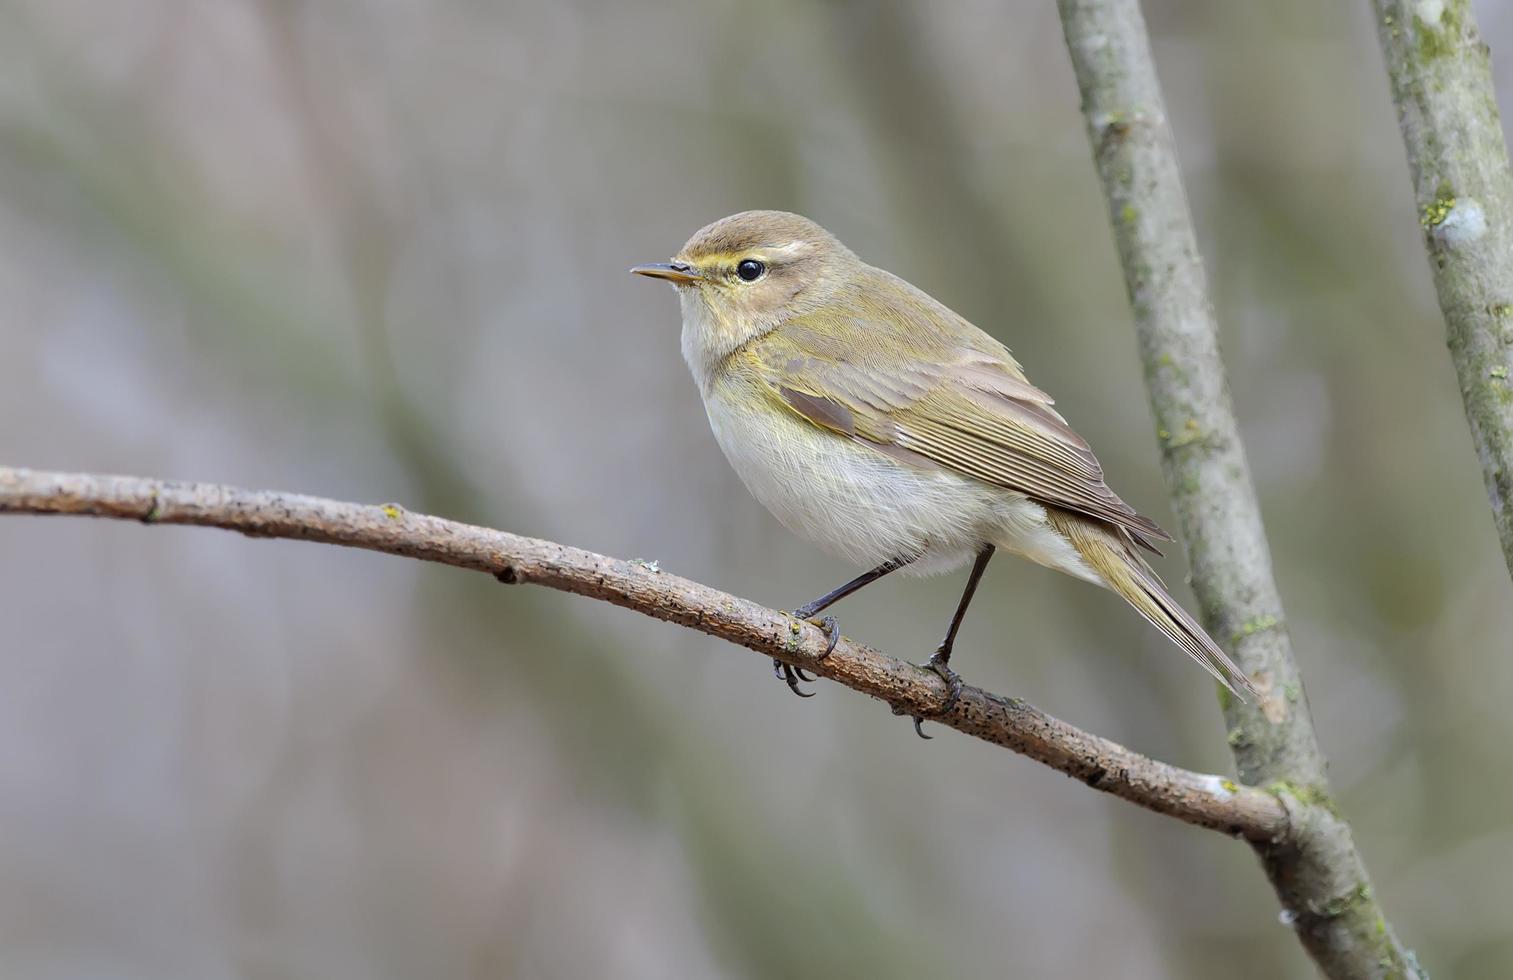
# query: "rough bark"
{"type": "Point", "coordinates": [1441, 78]}
{"type": "Point", "coordinates": [1197, 798]}
{"type": "Point", "coordinates": [1317, 872]}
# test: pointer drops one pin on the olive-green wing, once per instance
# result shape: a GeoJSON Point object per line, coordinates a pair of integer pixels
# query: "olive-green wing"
{"type": "Point", "coordinates": [953, 399]}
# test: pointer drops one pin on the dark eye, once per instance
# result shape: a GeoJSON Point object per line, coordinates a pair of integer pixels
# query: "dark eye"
{"type": "Point", "coordinates": [750, 270]}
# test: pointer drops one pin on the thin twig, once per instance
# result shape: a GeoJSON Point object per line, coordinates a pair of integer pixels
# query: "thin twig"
{"type": "Point", "coordinates": [1196, 798]}
{"type": "Point", "coordinates": [1318, 875]}
{"type": "Point", "coordinates": [1447, 109]}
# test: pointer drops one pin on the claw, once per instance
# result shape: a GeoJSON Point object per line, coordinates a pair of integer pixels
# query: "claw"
{"type": "Point", "coordinates": [793, 675]}
{"type": "Point", "coordinates": [937, 665]}
{"type": "Point", "coordinates": [832, 633]}
{"type": "Point", "coordinates": [790, 676]}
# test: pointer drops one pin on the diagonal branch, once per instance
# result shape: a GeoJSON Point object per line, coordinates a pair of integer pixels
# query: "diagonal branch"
{"type": "Point", "coordinates": [1441, 78]}
{"type": "Point", "coordinates": [1196, 798]}
{"type": "Point", "coordinates": [1318, 875]}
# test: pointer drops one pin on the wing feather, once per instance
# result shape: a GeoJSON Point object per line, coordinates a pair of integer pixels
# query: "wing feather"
{"type": "Point", "coordinates": [956, 400]}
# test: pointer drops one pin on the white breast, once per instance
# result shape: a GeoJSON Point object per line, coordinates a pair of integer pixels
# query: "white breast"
{"type": "Point", "coordinates": [850, 500]}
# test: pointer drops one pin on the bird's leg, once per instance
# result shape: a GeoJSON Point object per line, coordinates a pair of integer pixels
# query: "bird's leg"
{"type": "Point", "coordinates": [940, 661]}
{"type": "Point", "coordinates": [811, 609]}
{"type": "Point", "coordinates": [792, 675]}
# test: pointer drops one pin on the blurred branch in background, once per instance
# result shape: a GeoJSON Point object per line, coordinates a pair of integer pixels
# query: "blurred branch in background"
{"type": "Point", "coordinates": [901, 97]}
{"type": "Point", "coordinates": [1441, 76]}
{"type": "Point", "coordinates": [368, 226]}
{"type": "Point", "coordinates": [152, 200]}
{"type": "Point", "coordinates": [1317, 872]}
{"type": "Point", "coordinates": [1196, 798]}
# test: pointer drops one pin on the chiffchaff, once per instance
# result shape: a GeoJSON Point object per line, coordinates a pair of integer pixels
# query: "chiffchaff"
{"type": "Point", "coordinates": [877, 423]}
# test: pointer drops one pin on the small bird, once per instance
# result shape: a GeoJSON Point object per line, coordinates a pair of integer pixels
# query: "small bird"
{"type": "Point", "coordinates": [873, 421]}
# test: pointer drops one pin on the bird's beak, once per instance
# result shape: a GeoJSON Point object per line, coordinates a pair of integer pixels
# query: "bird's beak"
{"type": "Point", "coordinates": [674, 272]}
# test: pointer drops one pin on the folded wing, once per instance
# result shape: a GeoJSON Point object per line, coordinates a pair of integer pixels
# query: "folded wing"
{"type": "Point", "coordinates": [951, 397]}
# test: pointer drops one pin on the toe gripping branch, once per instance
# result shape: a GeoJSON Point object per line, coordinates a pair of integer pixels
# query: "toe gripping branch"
{"type": "Point", "coordinates": [937, 665]}
{"type": "Point", "coordinates": [792, 675]}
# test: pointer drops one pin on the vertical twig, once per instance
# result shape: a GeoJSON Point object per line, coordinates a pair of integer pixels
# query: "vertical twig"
{"type": "Point", "coordinates": [1317, 873]}
{"type": "Point", "coordinates": [1442, 84]}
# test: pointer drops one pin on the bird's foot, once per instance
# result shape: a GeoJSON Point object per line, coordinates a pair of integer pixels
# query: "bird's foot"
{"type": "Point", "coordinates": [939, 665]}
{"type": "Point", "coordinates": [826, 623]}
{"type": "Point", "coordinates": [791, 675]}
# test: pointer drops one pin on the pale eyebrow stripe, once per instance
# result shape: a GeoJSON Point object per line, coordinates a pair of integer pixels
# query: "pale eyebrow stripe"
{"type": "Point", "coordinates": [790, 249]}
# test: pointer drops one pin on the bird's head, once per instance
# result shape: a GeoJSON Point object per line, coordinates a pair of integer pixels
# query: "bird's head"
{"type": "Point", "coordinates": [743, 275]}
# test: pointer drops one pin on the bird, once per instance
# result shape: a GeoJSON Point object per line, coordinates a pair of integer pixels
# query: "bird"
{"type": "Point", "coordinates": [875, 422]}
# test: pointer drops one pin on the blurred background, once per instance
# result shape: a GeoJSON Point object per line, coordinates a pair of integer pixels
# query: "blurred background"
{"type": "Point", "coordinates": [378, 251]}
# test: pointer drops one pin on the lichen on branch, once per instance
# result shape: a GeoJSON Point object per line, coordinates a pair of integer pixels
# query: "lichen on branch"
{"type": "Point", "coordinates": [1441, 78]}
{"type": "Point", "coordinates": [1318, 874]}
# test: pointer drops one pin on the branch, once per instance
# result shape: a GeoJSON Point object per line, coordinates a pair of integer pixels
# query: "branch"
{"type": "Point", "coordinates": [1442, 83]}
{"type": "Point", "coordinates": [1318, 875]}
{"type": "Point", "coordinates": [1196, 798]}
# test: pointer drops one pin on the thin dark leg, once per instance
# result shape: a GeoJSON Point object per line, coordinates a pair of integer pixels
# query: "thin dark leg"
{"type": "Point", "coordinates": [811, 609]}
{"type": "Point", "coordinates": [940, 660]}
{"type": "Point", "coordinates": [792, 675]}
{"type": "Point", "coordinates": [943, 652]}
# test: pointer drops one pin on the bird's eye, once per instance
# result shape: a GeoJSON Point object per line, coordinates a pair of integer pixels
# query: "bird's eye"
{"type": "Point", "coordinates": [750, 270]}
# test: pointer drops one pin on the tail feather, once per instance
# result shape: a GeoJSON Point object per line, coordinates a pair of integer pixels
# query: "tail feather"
{"type": "Point", "coordinates": [1116, 562]}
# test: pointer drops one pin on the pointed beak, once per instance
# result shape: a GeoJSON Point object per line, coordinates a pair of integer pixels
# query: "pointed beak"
{"type": "Point", "coordinates": [677, 273]}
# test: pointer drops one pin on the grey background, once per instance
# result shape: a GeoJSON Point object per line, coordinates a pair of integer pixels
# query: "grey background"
{"type": "Point", "coordinates": [377, 251]}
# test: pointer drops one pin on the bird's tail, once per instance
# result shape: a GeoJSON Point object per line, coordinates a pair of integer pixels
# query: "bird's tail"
{"type": "Point", "coordinates": [1115, 561]}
